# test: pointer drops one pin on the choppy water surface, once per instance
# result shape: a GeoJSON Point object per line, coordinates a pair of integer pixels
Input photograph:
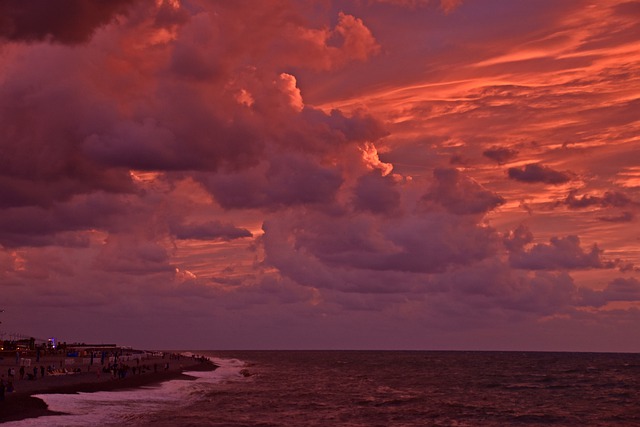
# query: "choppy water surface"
{"type": "Point", "coordinates": [341, 388]}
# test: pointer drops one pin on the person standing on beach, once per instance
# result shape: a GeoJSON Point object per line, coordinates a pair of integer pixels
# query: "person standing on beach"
{"type": "Point", "coordinates": [21, 372]}
{"type": "Point", "coordinates": [35, 372]}
{"type": "Point", "coordinates": [41, 371]}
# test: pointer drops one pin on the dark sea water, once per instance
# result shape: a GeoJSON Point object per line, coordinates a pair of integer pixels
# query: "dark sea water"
{"type": "Point", "coordinates": [377, 388]}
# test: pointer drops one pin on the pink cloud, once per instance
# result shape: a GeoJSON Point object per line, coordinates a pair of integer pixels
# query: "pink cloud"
{"type": "Point", "coordinates": [620, 289]}
{"type": "Point", "coordinates": [377, 194]}
{"type": "Point", "coordinates": [559, 253]}
{"type": "Point", "coordinates": [71, 22]}
{"type": "Point", "coordinates": [461, 195]}
{"type": "Point", "coordinates": [249, 165]}
{"type": "Point", "coordinates": [538, 173]}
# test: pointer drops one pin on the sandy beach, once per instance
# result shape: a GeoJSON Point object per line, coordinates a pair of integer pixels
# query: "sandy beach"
{"type": "Point", "coordinates": [20, 404]}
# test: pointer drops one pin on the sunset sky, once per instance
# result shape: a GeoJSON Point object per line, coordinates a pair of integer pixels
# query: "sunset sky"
{"type": "Point", "coordinates": [356, 174]}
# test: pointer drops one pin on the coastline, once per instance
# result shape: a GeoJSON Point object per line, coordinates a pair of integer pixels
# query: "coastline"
{"type": "Point", "coordinates": [21, 404]}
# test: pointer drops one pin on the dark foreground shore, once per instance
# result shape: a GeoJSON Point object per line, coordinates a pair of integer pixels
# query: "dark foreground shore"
{"type": "Point", "coordinates": [21, 404]}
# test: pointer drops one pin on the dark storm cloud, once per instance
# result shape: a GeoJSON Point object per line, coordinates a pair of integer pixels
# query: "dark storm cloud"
{"type": "Point", "coordinates": [609, 199]}
{"type": "Point", "coordinates": [517, 239]}
{"type": "Point", "coordinates": [491, 285]}
{"type": "Point", "coordinates": [461, 195]}
{"type": "Point", "coordinates": [376, 193]}
{"type": "Point", "coordinates": [559, 253]}
{"type": "Point", "coordinates": [320, 132]}
{"type": "Point", "coordinates": [362, 253]}
{"type": "Point", "coordinates": [62, 21]}
{"type": "Point", "coordinates": [288, 180]}
{"type": "Point", "coordinates": [623, 217]}
{"type": "Point", "coordinates": [148, 145]}
{"type": "Point", "coordinates": [42, 115]}
{"type": "Point", "coordinates": [40, 226]}
{"type": "Point", "coordinates": [500, 154]}
{"type": "Point", "coordinates": [535, 172]}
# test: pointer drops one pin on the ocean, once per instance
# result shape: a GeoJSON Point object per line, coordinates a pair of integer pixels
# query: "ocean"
{"type": "Point", "coordinates": [375, 388]}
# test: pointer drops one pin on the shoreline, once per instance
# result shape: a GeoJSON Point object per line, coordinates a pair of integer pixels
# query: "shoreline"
{"type": "Point", "coordinates": [22, 404]}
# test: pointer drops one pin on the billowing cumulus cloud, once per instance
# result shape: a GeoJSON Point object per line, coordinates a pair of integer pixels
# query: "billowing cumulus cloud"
{"type": "Point", "coordinates": [238, 168]}
{"type": "Point", "coordinates": [461, 195]}
{"type": "Point", "coordinates": [559, 253]}
{"type": "Point", "coordinates": [620, 289]}
{"type": "Point", "coordinates": [376, 193]}
{"type": "Point", "coordinates": [287, 181]}
{"type": "Point", "coordinates": [516, 239]}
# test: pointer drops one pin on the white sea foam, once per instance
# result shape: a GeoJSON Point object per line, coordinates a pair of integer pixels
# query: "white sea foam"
{"type": "Point", "coordinates": [124, 406]}
{"type": "Point", "coordinates": [228, 369]}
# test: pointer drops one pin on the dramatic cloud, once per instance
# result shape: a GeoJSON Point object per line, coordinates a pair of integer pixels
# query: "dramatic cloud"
{"type": "Point", "coordinates": [559, 253]}
{"type": "Point", "coordinates": [376, 193]}
{"type": "Point", "coordinates": [500, 154]}
{"type": "Point", "coordinates": [288, 180]}
{"type": "Point", "coordinates": [538, 173]}
{"type": "Point", "coordinates": [608, 199]}
{"type": "Point", "coordinates": [442, 173]}
{"type": "Point", "coordinates": [461, 195]}
{"type": "Point", "coordinates": [516, 240]}
{"type": "Point", "coordinates": [620, 289]}
{"type": "Point", "coordinates": [65, 21]}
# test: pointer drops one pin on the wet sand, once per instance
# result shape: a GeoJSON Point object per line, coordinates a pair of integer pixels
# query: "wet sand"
{"type": "Point", "coordinates": [21, 404]}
